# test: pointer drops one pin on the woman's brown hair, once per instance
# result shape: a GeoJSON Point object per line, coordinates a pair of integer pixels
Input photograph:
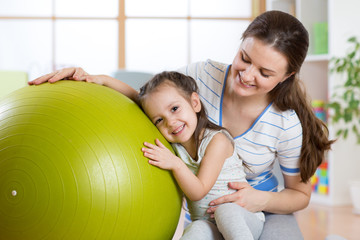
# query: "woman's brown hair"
{"type": "Point", "coordinates": [287, 35]}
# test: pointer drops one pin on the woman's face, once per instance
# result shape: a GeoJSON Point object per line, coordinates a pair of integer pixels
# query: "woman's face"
{"type": "Point", "coordinates": [257, 69]}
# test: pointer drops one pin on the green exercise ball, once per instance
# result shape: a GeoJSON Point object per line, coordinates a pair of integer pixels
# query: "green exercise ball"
{"type": "Point", "coordinates": [71, 167]}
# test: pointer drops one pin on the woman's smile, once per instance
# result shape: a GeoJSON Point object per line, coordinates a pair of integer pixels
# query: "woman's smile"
{"type": "Point", "coordinates": [243, 83]}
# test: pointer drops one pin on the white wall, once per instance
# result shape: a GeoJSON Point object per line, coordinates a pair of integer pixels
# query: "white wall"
{"type": "Point", "coordinates": [344, 18]}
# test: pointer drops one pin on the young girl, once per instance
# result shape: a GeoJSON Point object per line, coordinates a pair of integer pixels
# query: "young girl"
{"type": "Point", "coordinates": [207, 158]}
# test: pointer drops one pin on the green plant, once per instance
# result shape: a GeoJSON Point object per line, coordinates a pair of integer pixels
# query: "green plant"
{"type": "Point", "coordinates": [345, 101]}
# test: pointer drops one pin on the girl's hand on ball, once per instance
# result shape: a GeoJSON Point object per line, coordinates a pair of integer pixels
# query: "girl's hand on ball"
{"type": "Point", "coordinates": [160, 156]}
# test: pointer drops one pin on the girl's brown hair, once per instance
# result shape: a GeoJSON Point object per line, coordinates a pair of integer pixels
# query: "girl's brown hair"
{"type": "Point", "coordinates": [287, 35]}
{"type": "Point", "coordinates": [186, 85]}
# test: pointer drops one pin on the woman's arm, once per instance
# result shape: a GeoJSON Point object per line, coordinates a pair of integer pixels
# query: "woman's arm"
{"type": "Point", "coordinates": [294, 197]}
{"type": "Point", "coordinates": [79, 74]}
{"type": "Point", "coordinates": [195, 187]}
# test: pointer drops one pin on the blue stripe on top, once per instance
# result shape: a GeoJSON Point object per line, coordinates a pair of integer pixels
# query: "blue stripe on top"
{"type": "Point", "coordinates": [290, 170]}
{"type": "Point", "coordinates": [291, 138]}
{"type": "Point", "coordinates": [293, 126]}
{"type": "Point", "coordinates": [222, 95]}
{"type": "Point", "coordinates": [245, 150]}
{"type": "Point", "coordinates": [293, 148]}
{"type": "Point", "coordinates": [265, 134]}
{"type": "Point", "coordinates": [284, 129]}
{"type": "Point", "coordinates": [212, 120]}
{"type": "Point", "coordinates": [214, 66]}
{"type": "Point", "coordinates": [270, 183]}
{"type": "Point", "coordinates": [259, 144]}
{"type": "Point", "coordinates": [277, 114]}
{"type": "Point", "coordinates": [208, 102]}
{"type": "Point", "coordinates": [212, 76]}
{"type": "Point", "coordinates": [257, 119]}
{"type": "Point", "coordinates": [260, 164]}
{"type": "Point", "coordinates": [208, 87]}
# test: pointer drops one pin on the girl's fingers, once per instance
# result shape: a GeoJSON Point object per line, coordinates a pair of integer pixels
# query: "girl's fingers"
{"type": "Point", "coordinates": [149, 145]}
{"type": "Point", "coordinates": [146, 150]}
{"type": "Point", "coordinates": [149, 153]}
{"type": "Point", "coordinates": [157, 141]}
{"type": "Point", "coordinates": [154, 163]}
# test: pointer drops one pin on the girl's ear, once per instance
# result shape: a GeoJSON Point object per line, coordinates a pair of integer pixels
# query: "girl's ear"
{"type": "Point", "coordinates": [195, 102]}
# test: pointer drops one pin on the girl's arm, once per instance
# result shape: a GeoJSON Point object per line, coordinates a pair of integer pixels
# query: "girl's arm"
{"type": "Point", "coordinates": [195, 187]}
{"type": "Point", "coordinates": [79, 74]}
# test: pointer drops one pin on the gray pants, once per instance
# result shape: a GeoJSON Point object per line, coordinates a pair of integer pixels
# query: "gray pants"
{"type": "Point", "coordinates": [232, 222]}
{"type": "Point", "coordinates": [281, 227]}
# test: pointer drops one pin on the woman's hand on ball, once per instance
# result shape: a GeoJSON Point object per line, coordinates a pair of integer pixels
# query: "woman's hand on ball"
{"type": "Point", "coordinates": [67, 73]}
{"type": "Point", "coordinates": [160, 156]}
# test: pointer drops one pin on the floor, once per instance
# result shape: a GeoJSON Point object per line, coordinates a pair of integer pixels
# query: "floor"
{"type": "Point", "coordinates": [319, 221]}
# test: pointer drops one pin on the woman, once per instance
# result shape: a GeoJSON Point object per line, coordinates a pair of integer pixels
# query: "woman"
{"type": "Point", "coordinates": [260, 101]}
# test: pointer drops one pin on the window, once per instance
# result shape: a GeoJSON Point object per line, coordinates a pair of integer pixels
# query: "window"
{"type": "Point", "coordinates": [104, 35]}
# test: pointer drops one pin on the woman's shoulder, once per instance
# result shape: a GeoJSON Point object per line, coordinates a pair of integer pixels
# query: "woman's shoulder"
{"type": "Point", "coordinates": [288, 115]}
{"type": "Point", "coordinates": [197, 68]}
{"type": "Point", "coordinates": [285, 123]}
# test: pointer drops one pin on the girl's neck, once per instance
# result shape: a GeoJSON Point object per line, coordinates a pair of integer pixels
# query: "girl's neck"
{"type": "Point", "coordinates": [191, 147]}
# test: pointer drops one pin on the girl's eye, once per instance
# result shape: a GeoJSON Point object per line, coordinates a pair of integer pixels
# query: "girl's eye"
{"type": "Point", "coordinates": [157, 121]}
{"type": "Point", "coordinates": [174, 109]}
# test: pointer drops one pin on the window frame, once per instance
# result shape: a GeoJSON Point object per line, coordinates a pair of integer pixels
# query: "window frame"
{"type": "Point", "coordinates": [258, 7]}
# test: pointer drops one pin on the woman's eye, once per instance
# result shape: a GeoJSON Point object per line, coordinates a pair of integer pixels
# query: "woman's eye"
{"type": "Point", "coordinates": [174, 109]}
{"type": "Point", "coordinates": [243, 59]}
{"type": "Point", "coordinates": [264, 75]}
{"type": "Point", "coordinates": [157, 121]}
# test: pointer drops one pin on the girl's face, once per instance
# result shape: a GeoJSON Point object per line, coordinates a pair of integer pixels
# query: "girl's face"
{"type": "Point", "coordinates": [257, 68]}
{"type": "Point", "coordinates": [172, 114]}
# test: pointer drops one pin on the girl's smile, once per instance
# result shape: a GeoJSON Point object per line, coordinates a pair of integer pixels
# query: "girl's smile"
{"type": "Point", "coordinates": [179, 130]}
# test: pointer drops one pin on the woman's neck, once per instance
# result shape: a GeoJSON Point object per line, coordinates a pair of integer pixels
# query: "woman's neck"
{"type": "Point", "coordinates": [245, 103]}
{"type": "Point", "coordinates": [240, 112]}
